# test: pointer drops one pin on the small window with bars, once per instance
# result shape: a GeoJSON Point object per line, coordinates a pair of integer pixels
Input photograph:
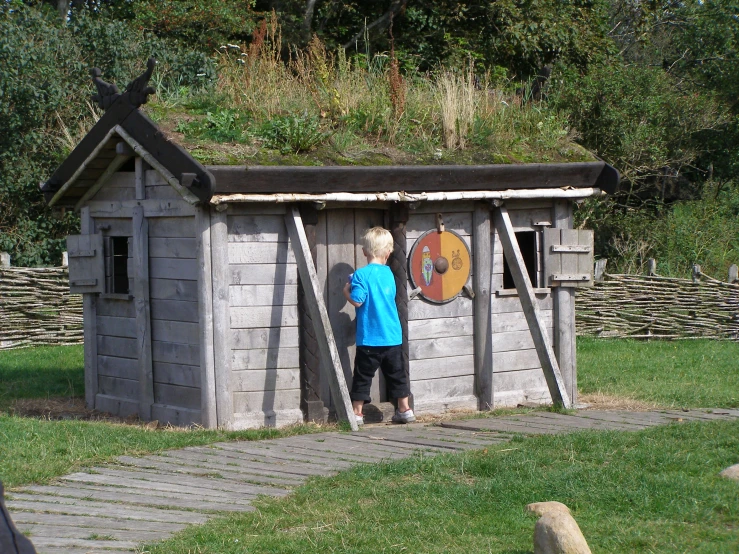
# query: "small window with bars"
{"type": "Point", "coordinates": [117, 256]}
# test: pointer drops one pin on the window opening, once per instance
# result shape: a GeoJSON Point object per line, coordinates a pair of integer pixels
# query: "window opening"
{"type": "Point", "coordinates": [119, 259]}
{"type": "Point", "coordinates": [527, 244]}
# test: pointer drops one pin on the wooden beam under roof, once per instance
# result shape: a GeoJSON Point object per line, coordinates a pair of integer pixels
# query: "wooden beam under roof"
{"type": "Point", "coordinates": [311, 179]}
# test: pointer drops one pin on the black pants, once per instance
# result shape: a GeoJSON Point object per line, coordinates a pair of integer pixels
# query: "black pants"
{"type": "Point", "coordinates": [390, 360]}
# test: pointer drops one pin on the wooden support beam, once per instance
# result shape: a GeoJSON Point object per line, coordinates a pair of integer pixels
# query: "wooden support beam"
{"type": "Point", "coordinates": [114, 166]}
{"type": "Point", "coordinates": [89, 322]}
{"type": "Point", "coordinates": [221, 319]}
{"type": "Point", "coordinates": [482, 284]}
{"type": "Point", "coordinates": [564, 309]}
{"type": "Point", "coordinates": [398, 262]}
{"type": "Point", "coordinates": [530, 307]}
{"type": "Point", "coordinates": [140, 178]}
{"type": "Point", "coordinates": [143, 311]}
{"type": "Point", "coordinates": [208, 414]}
{"type": "Point", "coordinates": [319, 315]}
{"type": "Point", "coordinates": [310, 356]}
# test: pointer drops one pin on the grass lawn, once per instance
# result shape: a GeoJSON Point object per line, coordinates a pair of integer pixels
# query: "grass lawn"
{"type": "Point", "coordinates": [41, 372]}
{"type": "Point", "coordinates": [656, 490]}
{"type": "Point", "coordinates": [690, 373]}
{"type": "Point", "coordinates": [652, 491]}
{"type": "Point", "coordinates": [34, 450]}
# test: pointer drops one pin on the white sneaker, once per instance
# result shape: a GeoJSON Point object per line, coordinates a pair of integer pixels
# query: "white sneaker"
{"type": "Point", "coordinates": [404, 417]}
{"type": "Point", "coordinates": [359, 419]}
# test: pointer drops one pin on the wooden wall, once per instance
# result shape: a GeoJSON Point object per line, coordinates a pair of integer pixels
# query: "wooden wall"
{"type": "Point", "coordinates": [173, 291]}
{"type": "Point", "coordinates": [440, 336]}
{"type": "Point", "coordinates": [173, 301]}
{"type": "Point", "coordinates": [263, 316]}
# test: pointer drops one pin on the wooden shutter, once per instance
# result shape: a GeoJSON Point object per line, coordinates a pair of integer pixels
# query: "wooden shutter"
{"type": "Point", "coordinates": [568, 258]}
{"type": "Point", "coordinates": [86, 264]}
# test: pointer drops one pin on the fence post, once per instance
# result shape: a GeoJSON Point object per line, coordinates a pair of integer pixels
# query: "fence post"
{"type": "Point", "coordinates": [651, 267]}
{"type": "Point", "coordinates": [65, 259]}
{"type": "Point", "coordinates": [600, 269]}
{"type": "Point", "coordinates": [733, 273]}
{"type": "Point", "coordinates": [4, 259]}
{"type": "Point", "coordinates": [696, 273]}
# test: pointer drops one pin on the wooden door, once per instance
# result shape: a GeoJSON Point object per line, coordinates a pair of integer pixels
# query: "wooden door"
{"type": "Point", "coordinates": [339, 253]}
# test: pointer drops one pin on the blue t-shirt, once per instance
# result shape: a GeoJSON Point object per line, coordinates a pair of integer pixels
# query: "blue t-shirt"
{"type": "Point", "coordinates": [377, 318]}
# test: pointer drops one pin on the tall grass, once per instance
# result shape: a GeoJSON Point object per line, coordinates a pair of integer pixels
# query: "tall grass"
{"type": "Point", "coordinates": [457, 100]}
{"type": "Point", "coordinates": [368, 101]}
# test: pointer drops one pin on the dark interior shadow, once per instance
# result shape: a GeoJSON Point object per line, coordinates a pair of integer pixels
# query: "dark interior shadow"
{"type": "Point", "coordinates": [342, 324]}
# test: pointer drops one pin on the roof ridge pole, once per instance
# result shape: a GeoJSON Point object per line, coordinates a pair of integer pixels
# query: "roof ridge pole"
{"type": "Point", "coordinates": [539, 334]}
{"type": "Point", "coordinates": [319, 315]}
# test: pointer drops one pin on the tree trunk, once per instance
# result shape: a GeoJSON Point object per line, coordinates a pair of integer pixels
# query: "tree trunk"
{"type": "Point", "coordinates": [63, 7]}
{"type": "Point", "coordinates": [308, 20]}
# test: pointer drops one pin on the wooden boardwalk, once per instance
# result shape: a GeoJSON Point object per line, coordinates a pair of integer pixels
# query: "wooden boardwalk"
{"type": "Point", "coordinates": [113, 508]}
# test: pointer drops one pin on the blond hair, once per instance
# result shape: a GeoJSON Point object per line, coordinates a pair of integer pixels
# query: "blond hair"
{"type": "Point", "coordinates": [377, 241]}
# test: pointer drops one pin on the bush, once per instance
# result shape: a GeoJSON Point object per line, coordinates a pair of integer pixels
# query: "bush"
{"type": "Point", "coordinates": [679, 235]}
{"type": "Point", "coordinates": [637, 119]}
{"type": "Point", "coordinates": [44, 83]}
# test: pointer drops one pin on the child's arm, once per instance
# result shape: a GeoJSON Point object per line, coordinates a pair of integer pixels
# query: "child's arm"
{"type": "Point", "coordinates": [348, 296]}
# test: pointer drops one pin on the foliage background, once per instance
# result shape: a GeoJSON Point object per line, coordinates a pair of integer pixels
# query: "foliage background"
{"type": "Point", "coordinates": [650, 87]}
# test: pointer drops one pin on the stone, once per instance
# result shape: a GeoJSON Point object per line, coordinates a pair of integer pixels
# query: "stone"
{"type": "Point", "coordinates": [731, 472]}
{"type": "Point", "coordinates": [541, 508]}
{"type": "Point", "coordinates": [556, 532]}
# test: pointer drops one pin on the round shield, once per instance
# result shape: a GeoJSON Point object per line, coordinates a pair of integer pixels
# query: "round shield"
{"type": "Point", "coordinates": [439, 263]}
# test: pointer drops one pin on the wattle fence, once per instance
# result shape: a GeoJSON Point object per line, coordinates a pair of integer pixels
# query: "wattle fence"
{"type": "Point", "coordinates": [37, 309]}
{"type": "Point", "coordinates": [654, 307]}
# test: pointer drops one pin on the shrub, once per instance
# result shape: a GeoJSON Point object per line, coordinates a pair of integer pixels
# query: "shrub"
{"type": "Point", "coordinates": [219, 126]}
{"type": "Point", "coordinates": [292, 133]}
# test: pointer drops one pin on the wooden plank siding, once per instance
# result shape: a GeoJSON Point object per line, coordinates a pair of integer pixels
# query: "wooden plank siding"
{"type": "Point", "coordinates": [263, 309]}
{"type": "Point", "coordinates": [441, 336]}
{"type": "Point", "coordinates": [175, 313]}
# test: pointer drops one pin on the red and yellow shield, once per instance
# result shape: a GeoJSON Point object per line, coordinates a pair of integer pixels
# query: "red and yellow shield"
{"type": "Point", "coordinates": [439, 264]}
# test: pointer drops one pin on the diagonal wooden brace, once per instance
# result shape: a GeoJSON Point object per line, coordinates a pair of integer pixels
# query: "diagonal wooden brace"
{"type": "Point", "coordinates": [531, 308]}
{"type": "Point", "coordinates": [319, 315]}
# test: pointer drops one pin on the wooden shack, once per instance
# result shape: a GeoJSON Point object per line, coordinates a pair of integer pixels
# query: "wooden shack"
{"type": "Point", "coordinates": [212, 295]}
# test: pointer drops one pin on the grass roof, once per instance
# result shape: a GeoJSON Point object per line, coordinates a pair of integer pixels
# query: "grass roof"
{"type": "Point", "coordinates": [324, 109]}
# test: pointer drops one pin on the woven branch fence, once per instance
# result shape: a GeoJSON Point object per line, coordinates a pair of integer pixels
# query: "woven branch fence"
{"type": "Point", "coordinates": [37, 309]}
{"type": "Point", "coordinates": [654, 307]}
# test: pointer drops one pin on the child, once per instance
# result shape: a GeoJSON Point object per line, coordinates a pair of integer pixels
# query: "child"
{"type": "Point", "coordinates": [371, 291]}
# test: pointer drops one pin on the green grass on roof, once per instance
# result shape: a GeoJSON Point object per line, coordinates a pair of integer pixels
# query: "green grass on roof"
{"type": "Point", "coordinates": [324, 109]}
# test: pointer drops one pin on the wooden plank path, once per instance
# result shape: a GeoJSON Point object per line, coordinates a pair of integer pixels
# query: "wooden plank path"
{"type": "Point", "coordinates": [113, 508]}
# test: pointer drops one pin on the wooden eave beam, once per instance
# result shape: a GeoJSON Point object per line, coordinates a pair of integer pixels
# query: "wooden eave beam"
{"type": "Point", "coordinates": [114, 166]}
{"type": "Point", "coordinates": [539, 334]}
{"type": "Point", "coordinates": [319, 315]}
{"type": "Point", "coordinates": [276, 179]}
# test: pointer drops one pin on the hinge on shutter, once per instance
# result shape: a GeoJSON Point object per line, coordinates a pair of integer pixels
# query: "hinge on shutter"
{"type": "Point", "coordinates": [82, 254]}
{"type": "Point", "coordinates": [571, 277]}
{"type": "Point", "coordinates": [84, 283]}
{"type": "Point", "coordinates": [570, 248]}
